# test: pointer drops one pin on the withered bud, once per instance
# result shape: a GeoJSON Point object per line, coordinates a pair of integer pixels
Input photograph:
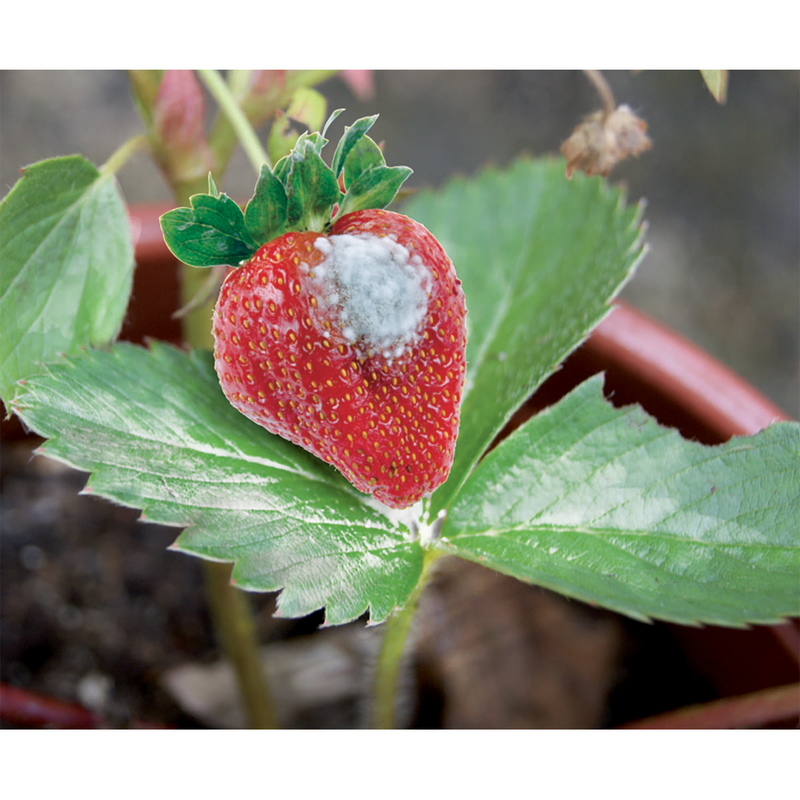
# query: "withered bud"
{"type": "Point", "coordinates": [604, 139]}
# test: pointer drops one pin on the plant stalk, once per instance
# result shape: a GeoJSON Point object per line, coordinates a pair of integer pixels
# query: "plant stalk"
{"type": "Point", "coordinates": [603, 89]}
{"type": "Point", "coordinates": [230, 608]}
{"type": "Point", "coordinates": [123, 154]}
{"type": "Point", "coordinates": [233, 621]}
{"type": "Point", "coordinates": [393, 646]}
{"type": "Point", "coordinates": [222, 138]}
{"type": "Point", "coordinates": [237, 118]}
{"type": "Point", "coordinates": [754, 710]}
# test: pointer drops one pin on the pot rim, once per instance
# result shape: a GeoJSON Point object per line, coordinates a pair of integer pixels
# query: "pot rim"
{"type": "Point", "coordinates": [669, 363]}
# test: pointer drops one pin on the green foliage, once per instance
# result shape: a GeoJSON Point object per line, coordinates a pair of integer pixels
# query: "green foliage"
{"type": "Point", "coordinates": [155, 431]}
{"type": "Point", "coordinates": [66, 264]}
{"type": "Point", "coordinates": [539, 259]}
{"type": "Point", "coordinates": [598, 503]}
{"type": "Point", "coordinates": [717, 83]}
{"type": "Point", "coordinates": [352, 135]}
{"type": "Point", "coordinates": [311, 188]}
{"type": "Point", "coordinates": [605, 505]}
{"type": "Point", "coordinates": [374, 188]}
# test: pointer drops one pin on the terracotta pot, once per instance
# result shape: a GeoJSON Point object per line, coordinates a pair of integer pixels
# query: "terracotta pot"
{"type": "Point", "coordinates": [684, 387]}
{"type": "Point", "coordinates": [644, 362]}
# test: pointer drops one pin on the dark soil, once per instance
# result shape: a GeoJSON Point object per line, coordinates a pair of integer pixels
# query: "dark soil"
{"type": "Point", "coordinates": [96, 611]}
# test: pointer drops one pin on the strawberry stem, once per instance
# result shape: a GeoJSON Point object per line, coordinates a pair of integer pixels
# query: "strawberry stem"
{"type": "Point", "coordinates": [237, 118]}
{"type": "Point", "coordinates": [123, 154]}
{"type": "Point", "coordinates": [603, 89]}
{"type": "Point", "coordinates": [393, 646]}
{"type": "Point", "coordinates": [235, 627]}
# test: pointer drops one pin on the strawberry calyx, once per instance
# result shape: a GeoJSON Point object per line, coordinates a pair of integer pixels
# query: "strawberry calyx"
{"type": "Point", "coordinates": [301, 193]}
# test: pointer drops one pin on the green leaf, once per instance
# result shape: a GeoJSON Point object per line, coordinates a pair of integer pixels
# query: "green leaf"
{"type": "Point", "coordinates": [211, 233]}
{"type": "Point", "coordinates": [605, 505]}
{"type": "Point", "coordinates": [717, 83]}
{"type": "Point", "coordinates": [375, 188]}
{"type": "Point", "coordinates": [156, 432]}
{"type": "Point", "coordinates": [539, 258]}
{"type": "Point", "coordinates": [364, 156]}
{"type": "Point", "coordinates": [66, 265]}
{"type": "Point", "coordinates": [265, 215]}
{"type": "Point", "coordinates": [352, 135]}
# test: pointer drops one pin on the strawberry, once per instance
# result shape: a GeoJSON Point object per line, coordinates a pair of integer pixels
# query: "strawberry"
{"type": "Point", "coordinates": [345, 333]}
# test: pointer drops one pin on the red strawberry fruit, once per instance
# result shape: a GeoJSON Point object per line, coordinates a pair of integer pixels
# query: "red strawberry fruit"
{"type": "Point", "coordinates": [346, 332]}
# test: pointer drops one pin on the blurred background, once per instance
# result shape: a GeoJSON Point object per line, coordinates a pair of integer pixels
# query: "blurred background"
{"type": "Point", "coordinates": [95, 611]}
{"type": "Point", "coordinates": [722, 182]}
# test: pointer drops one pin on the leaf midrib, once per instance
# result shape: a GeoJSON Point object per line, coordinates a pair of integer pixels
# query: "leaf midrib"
{"type": "Point", "coordinates": [497, 532]}
{"type": "Point", "coordinates": [69, 215]}
{"type": "Point", "coordinates": [64, 212]}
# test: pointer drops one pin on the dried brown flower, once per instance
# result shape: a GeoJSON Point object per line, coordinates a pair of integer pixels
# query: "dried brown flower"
{"type": "Point", "coordinates": [603, 139]}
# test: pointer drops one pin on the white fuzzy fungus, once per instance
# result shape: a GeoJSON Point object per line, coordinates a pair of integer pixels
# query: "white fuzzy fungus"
{"type": "Point", "coordinates": [381, 291]}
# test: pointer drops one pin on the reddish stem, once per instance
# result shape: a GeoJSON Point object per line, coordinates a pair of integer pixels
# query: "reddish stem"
{"type": "Point", "coordinates": [24, 709]}
{"type": "Point", "coordinates": [754, 710]}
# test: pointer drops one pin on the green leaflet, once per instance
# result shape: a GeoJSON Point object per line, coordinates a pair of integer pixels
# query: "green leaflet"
{"type": "Point", "coordinates": [211, 233]}
{"type": "Point", "coordinates": [66, 265]}
{"type": "Point", "coordinates": [539, 258]}
{"type": "Point", "coordinates": [717, 83]}
{"type": "Point", "coordinates": [606, 506]}
{"type": "Point", "coordinates": [156, 432]}
{"type": "Point", "coordinates": [598, 503]}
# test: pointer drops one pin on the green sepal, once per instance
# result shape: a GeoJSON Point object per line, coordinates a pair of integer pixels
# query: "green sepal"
{"type": "Point", "coordinates": [311, 188]}
{"type": "Point", "coordinates": [212, 187]}
{"type": "Point", "coordinates": [210, 233]}
{"type": "Point", "coordinates": [300, 193]}
{"type": "Point", "coordinates": [352, 135]}
{"type": "Point", "coordinates": [331, 118]}
{"type": "Point", "coordinates": [281, 168]}
{"type": "Point", "coordinates": [374, 188]}
{"type": "Point", "coordinates": [309, 143]}
{"type": "Point", "coordinates": [265, 215]}
{"type": "Point", "coordinates": [365, 155]}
